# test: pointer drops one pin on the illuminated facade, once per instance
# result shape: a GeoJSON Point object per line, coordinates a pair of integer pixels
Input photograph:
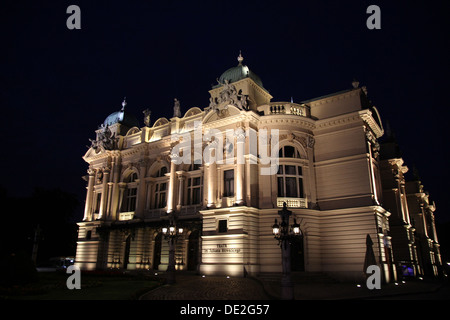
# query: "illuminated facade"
{"type": "Point", "coordinates": [328, 174]}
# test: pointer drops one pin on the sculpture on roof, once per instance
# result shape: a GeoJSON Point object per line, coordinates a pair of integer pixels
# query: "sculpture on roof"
{"type": "Point", "coordinates": [147, 113]}
{"type": "Point", "coordinates": [105, 139]}
{"type": "Point", "coordinates": [176, 108]}
{"type": "Point", "coordinates": [229, 96]}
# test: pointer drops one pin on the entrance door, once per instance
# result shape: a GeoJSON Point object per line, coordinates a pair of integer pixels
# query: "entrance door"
{"type": "Point", "coordinates": [193, 250]}
{"type": "Point", "coordinates": [157, 252]}
{"type": "Point", "coordinates": [297, 255]}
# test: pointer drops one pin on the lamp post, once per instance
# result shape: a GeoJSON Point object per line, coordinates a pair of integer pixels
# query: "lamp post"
{"type": "Point", "coordinates": [171, 233]}
{"type": "Point", "coordinates": [285, 234]}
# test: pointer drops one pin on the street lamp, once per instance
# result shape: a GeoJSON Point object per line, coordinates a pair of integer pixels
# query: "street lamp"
{"type": "Point", "coordinates": [285, 234]}
{"type": "Point", "coordinates": [171, 233]}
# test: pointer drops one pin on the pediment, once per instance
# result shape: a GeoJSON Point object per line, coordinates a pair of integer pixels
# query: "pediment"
{"type": "Point", "coordinates": [160, 122]}
{"type": "Point", "coordinates": [221, 112]}
{"type": "Point", "coordinates": [91, 153]}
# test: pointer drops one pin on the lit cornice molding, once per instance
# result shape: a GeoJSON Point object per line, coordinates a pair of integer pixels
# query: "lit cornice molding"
{"type": "Point", "coordinates": [332, 97]}
{"type": "Point", "coordinates": [338, 120]}
{"type": "Point", "coordinates": [367, 117]}
{"type": "Point", "coordinates": [282, 119]}
{"type": "Point", "coordinates": [398, 162]}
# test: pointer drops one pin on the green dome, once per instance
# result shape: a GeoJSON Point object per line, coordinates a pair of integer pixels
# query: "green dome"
{"type": "Point", "coordinates": [122, 117]}
{"type": "Point", "coordinates": [239, 72]}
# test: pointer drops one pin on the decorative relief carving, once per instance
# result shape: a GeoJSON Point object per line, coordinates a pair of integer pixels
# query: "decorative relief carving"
{"type": "Point", "coordinates": [229, 96]}
{"type": "Point", "coordinates": [105, 140]}
{"type": "Point", "coordinates": [311, 141]}
{"type": "Point", "coordinates": [375, 146]}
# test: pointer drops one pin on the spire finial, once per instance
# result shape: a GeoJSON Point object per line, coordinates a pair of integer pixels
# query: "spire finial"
{"type": "Point", "coordinates": [240, 57]}
{"type": "Point", "coordinates": [124, 103]}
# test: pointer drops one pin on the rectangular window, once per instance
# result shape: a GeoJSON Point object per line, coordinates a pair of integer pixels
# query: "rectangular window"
{"type": "Point", "coordinates": [194, 190]}
{"type": "Point", "coordinates": [291, 187]}
{"type": "Point", "coordinates": [290, 181]}
{"type": "Point", "coordinates": [97, 202]}
{"type": "Point", "coordinates": [289, 170]}
{"type": "Point", "coordinates": [160, 195]}
{"type": "Point", "coordinates": [228, 183]}
{"type": "Point", "coordinates": [280, 186]}
{"type": "Point", "coordinates": [223, 226]}
{"type": "Point", "coordinates": [300, 184]}
{"type": "Point", "coordinates": [131, 199]}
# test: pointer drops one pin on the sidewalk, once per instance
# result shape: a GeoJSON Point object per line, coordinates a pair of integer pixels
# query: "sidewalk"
{"type": "Point", "coordinates": [353, 291]}
{"type": "Point", "coordinates": [191, 286]}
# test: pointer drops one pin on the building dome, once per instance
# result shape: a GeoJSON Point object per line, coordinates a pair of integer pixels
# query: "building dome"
{"type": "Point", "coordinates": [239, 72]}
{"type": "Point", "coordinates": [122, 117]}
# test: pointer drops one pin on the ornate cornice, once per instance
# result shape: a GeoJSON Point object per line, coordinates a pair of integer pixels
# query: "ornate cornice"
{"type": "Point", "coordinates": [286, 119]}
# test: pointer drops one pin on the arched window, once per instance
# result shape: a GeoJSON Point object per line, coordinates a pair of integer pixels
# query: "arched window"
{"type": "Point", "coordinates": [289, 152]}
{"type": "Point", "coordinates": [161, 172]}
{"type": "Point", "coordinates": [132, 177]}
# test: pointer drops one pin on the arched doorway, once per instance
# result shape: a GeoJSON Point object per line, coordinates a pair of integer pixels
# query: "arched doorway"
{"type": "Point", "coordinates": [297, 255]}
{"type": "Point", "coordinates": [193, 250]}
{"type": "Point", "coordinates": [157, 251]}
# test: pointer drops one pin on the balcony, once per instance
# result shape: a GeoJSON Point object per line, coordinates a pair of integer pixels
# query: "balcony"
{"type": "Point", "coordinates": [292, 202]}
{"type": "Point", "coordinates": [285, 108]}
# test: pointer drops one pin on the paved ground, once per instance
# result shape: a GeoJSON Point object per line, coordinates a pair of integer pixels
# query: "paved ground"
{"type": "Point", "coordinates": [196, 287]}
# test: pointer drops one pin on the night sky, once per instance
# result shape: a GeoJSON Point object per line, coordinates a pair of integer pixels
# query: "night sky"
{"type": "Point", "coordinates": [58, 85]}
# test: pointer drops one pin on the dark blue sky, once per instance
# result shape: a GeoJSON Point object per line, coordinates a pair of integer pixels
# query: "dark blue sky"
{"type": "Point", "coordinates": [57, 85]}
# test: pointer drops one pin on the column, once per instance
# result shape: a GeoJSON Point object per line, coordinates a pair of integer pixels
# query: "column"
{"type": "Point", "coordinates": [90, 191]}
{"type": "Point", "coordinates": [212, 188]}
{"type": "Point", "coordinates": [104, 198]}
{"type": "Point", "coordinates": [122, 186]}
{"type": "Point", "coordinates": [115, 189]}
{"type": "Point", "coordinates": [240, 162]}
{"type": "Point", "coordinates": [141, 190]}
{"type": "Point", "coordinates": [172, 181]}
{"type": "Point", "coordinates": [181, 179]}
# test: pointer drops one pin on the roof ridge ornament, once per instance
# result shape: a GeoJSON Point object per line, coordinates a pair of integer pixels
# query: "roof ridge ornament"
{"type": "Point", "coordinates": [124, 103]}
{"type": "Point", "coordinates": [240, 58]}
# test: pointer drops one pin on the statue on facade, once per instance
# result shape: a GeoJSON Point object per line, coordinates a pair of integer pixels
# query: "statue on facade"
{"type": "Point", "coordinates": [147, 113]}
{"type": "Point", "coordinates": [176, 108]}
{"type": "Point", "coordinates": [105, 140]}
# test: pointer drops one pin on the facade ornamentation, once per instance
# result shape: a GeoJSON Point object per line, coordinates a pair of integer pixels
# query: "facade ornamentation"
{"type": "Point", "coordinates": [229, 96]}
{"type": "Point", "coordinates": [176, 108]}
{"type": "Point", "coordinates": [105, 139]}
{"type": "Point", "coordinates": [147, 113]}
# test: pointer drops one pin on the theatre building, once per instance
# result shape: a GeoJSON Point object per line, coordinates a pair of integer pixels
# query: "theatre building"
{"type": "Point", "coordinates": [222, 172]}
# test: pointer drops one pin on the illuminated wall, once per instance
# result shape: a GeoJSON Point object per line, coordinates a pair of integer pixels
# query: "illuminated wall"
{"type": "Point", "coordinates": [132, 188]}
